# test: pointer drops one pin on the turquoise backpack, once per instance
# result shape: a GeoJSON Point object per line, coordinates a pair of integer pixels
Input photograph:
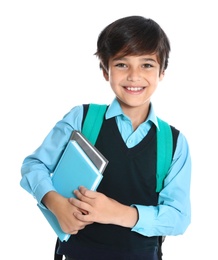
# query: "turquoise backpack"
{"type": "Point", "coordinates": [92, 125]}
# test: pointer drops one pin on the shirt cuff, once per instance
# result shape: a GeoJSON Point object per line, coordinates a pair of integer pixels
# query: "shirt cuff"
{"type": "Point", "coordinates": [145, 223]}
{"type": "Point", "coordinates": [43, 188]}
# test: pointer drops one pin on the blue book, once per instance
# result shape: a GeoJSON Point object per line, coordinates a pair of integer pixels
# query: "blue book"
{"type": "Point", "coordinates": [81, 164]}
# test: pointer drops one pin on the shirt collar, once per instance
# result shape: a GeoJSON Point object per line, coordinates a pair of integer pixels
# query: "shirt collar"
{"type": "Point", "coordinates": [115, 109]}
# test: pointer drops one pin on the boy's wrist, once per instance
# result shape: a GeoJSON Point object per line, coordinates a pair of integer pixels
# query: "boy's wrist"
{"type": "Point", "coordinates": [127, 216]}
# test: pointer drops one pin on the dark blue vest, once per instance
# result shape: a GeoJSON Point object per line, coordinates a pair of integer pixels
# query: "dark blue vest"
{"type": "Point", "coordinates": [129, 178]}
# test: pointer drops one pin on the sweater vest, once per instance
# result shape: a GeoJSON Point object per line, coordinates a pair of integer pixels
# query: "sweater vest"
{"type": "Point", "coordinates": [129, 178]}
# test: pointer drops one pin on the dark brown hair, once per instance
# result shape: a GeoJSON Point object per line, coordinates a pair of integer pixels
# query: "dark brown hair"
{"type": "Point", "coordinates": [133, 35]}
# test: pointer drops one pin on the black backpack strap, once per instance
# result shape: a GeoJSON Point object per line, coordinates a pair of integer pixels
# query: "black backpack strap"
{"type": "Point", "coordinates": [57, 256]}
{"type": "Point", "coordinates": [85, 111]}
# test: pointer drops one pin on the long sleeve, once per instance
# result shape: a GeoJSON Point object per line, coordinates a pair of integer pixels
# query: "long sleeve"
{"type": "Point", "coordinates": [172, 215]}
{"type": "Point", "coordinates": [38, 166]}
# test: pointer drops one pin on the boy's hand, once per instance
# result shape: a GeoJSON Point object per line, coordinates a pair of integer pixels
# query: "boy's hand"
{"type": "Point", "coordinates": [65, 212]}
{"type": "Point", "coordinates": [102, 209]}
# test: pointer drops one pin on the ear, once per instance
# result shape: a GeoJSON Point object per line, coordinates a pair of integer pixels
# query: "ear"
{"type": "Point", "coordinates": [105, 74]}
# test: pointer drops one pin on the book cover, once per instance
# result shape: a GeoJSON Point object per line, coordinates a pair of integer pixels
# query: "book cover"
{"type": "Point", "coordinates": [75, 168]}
{"type": "Point", "coordinates": [93, 153]}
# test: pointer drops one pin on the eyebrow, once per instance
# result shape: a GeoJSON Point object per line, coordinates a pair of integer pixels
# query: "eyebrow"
{"type": "Point", "coordinates": [141, 59]}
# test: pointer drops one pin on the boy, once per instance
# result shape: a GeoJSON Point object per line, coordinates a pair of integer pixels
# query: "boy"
{"type": "Point", "coordinates": [125, 218]}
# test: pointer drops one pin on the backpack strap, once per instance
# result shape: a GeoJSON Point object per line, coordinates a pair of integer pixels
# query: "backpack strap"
{"type": "Point", "coordinates": [164, 152]}
{"type": "Point", "coordinates": [93, 121]}
{"type": "Point", "coordinates": [57, 256]}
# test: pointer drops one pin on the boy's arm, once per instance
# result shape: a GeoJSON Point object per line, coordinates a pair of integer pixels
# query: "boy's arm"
{"type": "Point", "coordinates": [37, 167]}
{"type": "Point", "coordinates": [103, 209]}
{"type": "Point", "coordinates": [172, 215]}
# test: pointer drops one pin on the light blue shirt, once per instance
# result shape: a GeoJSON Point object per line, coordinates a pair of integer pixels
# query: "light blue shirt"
{"type": "Point", "coordinates": [171, 216]}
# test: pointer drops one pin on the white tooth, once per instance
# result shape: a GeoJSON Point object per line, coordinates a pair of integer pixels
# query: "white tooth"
{"type": "Point", "coordinates": [133, 89]}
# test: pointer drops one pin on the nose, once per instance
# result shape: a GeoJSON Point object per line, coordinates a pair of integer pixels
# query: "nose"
{"type": "Point", "coordinates": [133, 75]}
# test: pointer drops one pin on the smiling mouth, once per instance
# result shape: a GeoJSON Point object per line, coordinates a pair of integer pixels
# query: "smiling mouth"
{"type": "Point", "coordinates": [135, 88]}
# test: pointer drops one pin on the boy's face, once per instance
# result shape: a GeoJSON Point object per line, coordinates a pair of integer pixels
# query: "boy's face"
{"type": "Point", "coordinates": [134, 78]}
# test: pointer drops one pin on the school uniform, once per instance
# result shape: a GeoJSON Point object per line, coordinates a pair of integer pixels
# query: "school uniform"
{"type": "Point", "coordinates": [129, 178]}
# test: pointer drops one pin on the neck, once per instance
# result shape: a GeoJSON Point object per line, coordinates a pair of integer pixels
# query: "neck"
{"type": "Point", "coordinates": [137, 114]}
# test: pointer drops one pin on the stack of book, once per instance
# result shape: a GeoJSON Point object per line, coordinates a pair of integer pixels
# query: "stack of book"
{"type": "Point", "coordinates": [81, 164]}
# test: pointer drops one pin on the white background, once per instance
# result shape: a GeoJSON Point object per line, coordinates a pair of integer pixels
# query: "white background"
{"type": "Point", "coordinates": [47, 66]}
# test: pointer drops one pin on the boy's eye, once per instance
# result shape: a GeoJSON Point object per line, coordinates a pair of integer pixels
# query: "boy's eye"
{"type": "Point", "coordinates": [147, 65]}
{"type": "Point", "coordinates": [121, 65]}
